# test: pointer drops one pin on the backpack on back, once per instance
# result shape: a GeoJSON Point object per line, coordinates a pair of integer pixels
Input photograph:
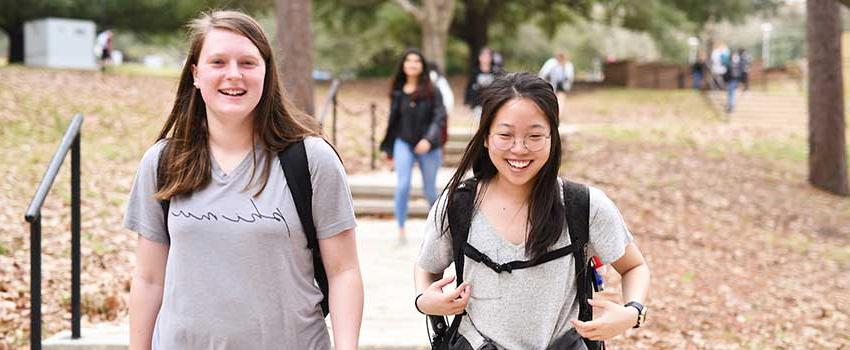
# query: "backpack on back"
{"type": "Point", "coordinates": [293, 160]}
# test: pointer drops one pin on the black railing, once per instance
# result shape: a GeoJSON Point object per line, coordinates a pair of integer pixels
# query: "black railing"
{"type": "Point", "coordinates": [330, 104]}
{"type": "Point", "coordinates": [71, 141]}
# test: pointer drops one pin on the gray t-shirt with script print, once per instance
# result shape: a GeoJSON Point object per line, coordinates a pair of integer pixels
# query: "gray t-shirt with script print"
{"type": "Point", "coordinates": [239, 274]}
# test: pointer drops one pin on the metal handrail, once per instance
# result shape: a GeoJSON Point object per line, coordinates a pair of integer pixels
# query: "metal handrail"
{"type": "Point", "coordinates": [71, 141]}
{"type": "Point", "coordinates": [330, 104]}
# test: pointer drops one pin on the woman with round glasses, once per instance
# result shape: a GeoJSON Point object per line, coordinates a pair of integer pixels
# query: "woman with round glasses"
{"type": "Point", "coordinates": [518, 216]}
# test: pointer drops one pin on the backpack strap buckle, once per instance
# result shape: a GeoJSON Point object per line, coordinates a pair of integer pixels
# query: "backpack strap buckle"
{"type": "Point", "coordinates": [503, 267]}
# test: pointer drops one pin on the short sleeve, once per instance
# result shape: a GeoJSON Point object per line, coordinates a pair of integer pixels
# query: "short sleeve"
{"type": "Point", "coordinates": [144, 212]}
{"type": "Point", "coordinates": [609, 235]}
{"type": "Point", "coordinates": [333, 208]}
{"type": "Point", "coordinates": [435, 253]}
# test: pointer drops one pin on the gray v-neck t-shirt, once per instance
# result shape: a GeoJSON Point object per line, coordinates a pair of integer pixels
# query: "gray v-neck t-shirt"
{"type": "Point", "coordinates": [239, 274]}
{"type": "Point", "coordinates": [527, 308]}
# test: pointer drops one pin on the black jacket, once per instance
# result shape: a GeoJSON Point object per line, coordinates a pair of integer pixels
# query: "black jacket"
{"type": "Point", "coordinates": [429, 119]}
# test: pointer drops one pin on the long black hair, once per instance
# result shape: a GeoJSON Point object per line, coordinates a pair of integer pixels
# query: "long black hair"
{"type": "Point", "coordinates": [546, 213]}
{"type": "Point", "coordinates": [424, 87]}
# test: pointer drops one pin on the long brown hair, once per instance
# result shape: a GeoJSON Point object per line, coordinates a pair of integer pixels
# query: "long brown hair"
{"type": "Point", "coordinates": [277, 122]}
{"type": "Point", "coordinates": [424, 87]}
{"type": "Point", "coordinates": [545, 211]}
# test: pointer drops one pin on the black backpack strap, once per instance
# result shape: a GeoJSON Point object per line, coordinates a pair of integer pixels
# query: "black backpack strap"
{"type": "Point", "coordinates": [293, 160]}
{"type": "Point", "coordinates": [477, 256]}
{"type": "Point", "coordinates": [165, 204]}
{"type": "Point", "coordinates": [577, 208]}
{"type": "Point", "coordinates": [459, 212]}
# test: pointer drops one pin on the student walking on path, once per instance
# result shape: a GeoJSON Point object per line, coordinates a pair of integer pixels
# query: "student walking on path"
{"type": "Point", "coordinates": [735, 70]}
{"type": "Point", "coordinates": [223, 259]}
{"type": "Point", "coordinates": [560, 73]}
{"type": "Point", "coordinates": [414, 133]}
{"type": "Point", "coordinates": [510, 232]}
{"type": "Point", "coordinates": [480, 76]}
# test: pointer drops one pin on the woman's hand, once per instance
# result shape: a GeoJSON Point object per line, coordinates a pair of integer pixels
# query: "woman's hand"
{"type": "Point", "coordinates": [422, 147]}
{"type": "Point", "coordinates": [435, 302]}
{"type": "Point", "coordinates": [614, 320]}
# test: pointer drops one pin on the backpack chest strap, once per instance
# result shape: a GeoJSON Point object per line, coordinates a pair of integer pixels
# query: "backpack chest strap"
{"type": "Point", "coordinates": [476, 255]}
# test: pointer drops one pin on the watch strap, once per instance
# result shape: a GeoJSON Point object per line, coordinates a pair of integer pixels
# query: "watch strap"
{"type": "Point", "coordinates": [639, 307]}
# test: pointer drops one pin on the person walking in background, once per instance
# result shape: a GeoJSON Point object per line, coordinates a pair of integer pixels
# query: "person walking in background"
{"type": "Point", "coordinates": [560, 73]}
{"type": "Point", "coordinates": [734, 69]}
{"type": "Point", "coordinates": [414, 133]}
{"type": "Point", "coordinates": [480, 75]}
{"type": "Point", "coordinates": [746, 60]}
{"type": "Point", "coordinates": [509, 229]}
{"type": "Point", "coordinates": [223, 259]}
{"type": "Point", "coordinates": [498, 61]}
{"type": "Point", "coordinates": [439, 80]}
{"type": "Point", "coordinates": [103, 48]}
{"type": "Point", "coordinates": [698, 71]}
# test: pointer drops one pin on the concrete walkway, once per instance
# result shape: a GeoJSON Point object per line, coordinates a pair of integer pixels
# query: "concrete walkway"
{"type": "Point", "coordinates": [389, 318]}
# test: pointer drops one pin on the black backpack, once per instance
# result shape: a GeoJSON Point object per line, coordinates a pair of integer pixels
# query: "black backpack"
{"type": "Point", "coordinates": [577, 200]}
{"type": "Point", "coordinates": [293, 160]}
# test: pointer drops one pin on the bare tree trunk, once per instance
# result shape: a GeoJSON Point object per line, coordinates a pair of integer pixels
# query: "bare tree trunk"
{"type": "Point", "coordinates": [475, 27]}
{"type": "Point", "coordinates": [827, 152]}
{"type": "Point", "coordinates": [434, 18]}
{"type": "Point", "coordinates": [295, 40]}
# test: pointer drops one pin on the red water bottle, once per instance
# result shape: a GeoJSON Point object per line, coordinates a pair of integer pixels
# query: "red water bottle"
{"type": "Point", "coordinates": [598, 272]}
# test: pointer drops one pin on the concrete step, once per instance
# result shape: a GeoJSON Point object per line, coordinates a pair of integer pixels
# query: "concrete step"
{"type": "Point", "coordinates": [455, 146]}
{"type": "Point", "coordinates": [417, 208]}
{"type": "Point", "coordinates": [460, 134]}
{"type": "Point", "coordinates": [384, 191]}
{"type": "Point", "coordinates": [452, 160]}
{"type": "Point", "coordinates": [99, 337]}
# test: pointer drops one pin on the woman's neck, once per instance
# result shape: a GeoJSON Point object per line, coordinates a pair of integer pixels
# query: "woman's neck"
{"type": "Point", "coordinates": [235, 136]}
{"type": "Point", "coordinates": [412, 81]}
{"type": "Point", "coordinates": [515, 192]}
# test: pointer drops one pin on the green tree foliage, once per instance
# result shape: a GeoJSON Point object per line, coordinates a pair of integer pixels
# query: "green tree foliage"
{"type": "Point", "coordinates": [700, 12]}
{"type": "Point", "coordinates": [666, 21]}
{"type": "Point", "coordinates": [144, 16]}
{"type": "Point", "coordinates": [362, 36]}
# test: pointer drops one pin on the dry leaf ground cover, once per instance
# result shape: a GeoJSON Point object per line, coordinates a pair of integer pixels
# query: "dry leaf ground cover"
{"type": "Point", "coordinates": [744, 253]}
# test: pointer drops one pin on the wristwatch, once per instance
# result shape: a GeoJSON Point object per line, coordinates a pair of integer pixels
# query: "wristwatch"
{"type": "Point", "coordinates": [641, 312]}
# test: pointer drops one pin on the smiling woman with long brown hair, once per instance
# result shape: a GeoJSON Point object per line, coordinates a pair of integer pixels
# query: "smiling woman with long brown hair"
{"type": "Point", "coordinates": [222, 260]}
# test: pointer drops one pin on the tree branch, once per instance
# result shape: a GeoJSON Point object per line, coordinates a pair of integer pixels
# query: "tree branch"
{"type": "Point", "coordinates": [413, 10]}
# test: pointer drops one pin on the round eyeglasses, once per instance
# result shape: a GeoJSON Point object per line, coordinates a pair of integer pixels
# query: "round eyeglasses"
{"type": "Point", "coordinates": [531, 142]}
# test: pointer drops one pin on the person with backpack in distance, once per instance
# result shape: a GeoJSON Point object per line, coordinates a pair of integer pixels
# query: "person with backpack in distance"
{"type": "Point", "coordinates": [560, 73]}
{"type": "Point", "coordinates": [414, 132]}
{"type": "Point", "coordinates": [481, 74]}
{"type": "Point", "coordinates": [244, 217]}
{"type": "Point", "coordinates": [442, 85]}
{"type": "Point", "coordinates": [521, 238]}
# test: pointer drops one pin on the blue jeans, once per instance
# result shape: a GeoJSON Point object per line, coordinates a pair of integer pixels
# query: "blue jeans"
{"type": "Point", "coordinates": [731, 86]}
{"type": "Point", "coordinates": [403, 157]}
{"type": "Point", "coordinates": [697, 80]}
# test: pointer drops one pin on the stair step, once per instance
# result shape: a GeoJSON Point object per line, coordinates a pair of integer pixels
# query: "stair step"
{"type": "Point", "coordinates": [416, 208]}
{"type": "Point", "coordinates": [363, 191]}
